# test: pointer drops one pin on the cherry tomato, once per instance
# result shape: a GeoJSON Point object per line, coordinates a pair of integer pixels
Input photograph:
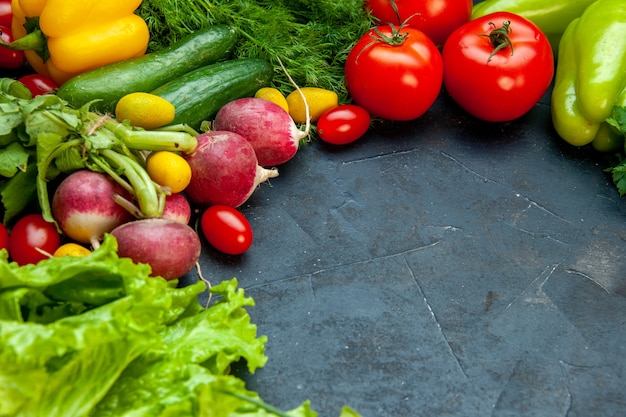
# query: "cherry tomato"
{"type": "Point", "coordinates": [394, 72]}
{"type": "Point", "coordinates": [9, 58]}
{"type": "Point", "coordinates": [436, 18]}
{"type": "Point", "coordinates": [39, 84]}
{"type": "Point", "coordinates": [4, 237]}
{"type": "Point", "coordinates": [497, 85]}
{"type": "Point", "coordinates": [6, 13]}
{"type": "Point", "coordinates": [226, 229]}
{"type": "Point", "coordinates": [30, 233]}
{"type": "Point", "coordinates": [343, 124]}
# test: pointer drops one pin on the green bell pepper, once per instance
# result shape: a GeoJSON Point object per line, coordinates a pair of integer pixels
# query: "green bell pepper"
{"type": "Point", "coordinates": [551, 17]}
{"type": "Point", "coordinates": [590, 77]}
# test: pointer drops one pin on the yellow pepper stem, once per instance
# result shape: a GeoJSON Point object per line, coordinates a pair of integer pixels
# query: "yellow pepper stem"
{"type": "Point", "coordinates": [34, 41]}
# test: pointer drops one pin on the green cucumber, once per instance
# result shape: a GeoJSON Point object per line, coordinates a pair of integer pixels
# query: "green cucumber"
{"type": "Point", "coordinates": [111, 82]}
{"type": "Point", "coordinates": [199, 94]}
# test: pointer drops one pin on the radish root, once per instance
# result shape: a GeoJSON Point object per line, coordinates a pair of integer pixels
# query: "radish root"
{"type": "Point", "coordinates": [307, 114]}
{"type": "Point", "coordinates": [207, 282]}
{"type": "Point", "coordinates": [264, 174]}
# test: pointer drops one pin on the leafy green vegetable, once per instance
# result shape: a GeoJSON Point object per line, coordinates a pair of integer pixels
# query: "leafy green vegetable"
{"type": "Point", "coordinates": [618, 120]}
{"type": "Point", "coordinates": [98, 336]}
{"type": "Point", "coordinates": [44, 136]}
{"type": "Point", "coordinates": [311, 37]}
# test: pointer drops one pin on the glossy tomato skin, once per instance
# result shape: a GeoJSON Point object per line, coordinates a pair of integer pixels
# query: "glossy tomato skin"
{"type": "Point", "coordinates": [39, 84]}
{"type": "Point", "coordinates": [436, 18]}
{"type": "Point", "coordinates": [507, 85]}
{"type": "Point", "coordinates": [6, 13]}
{"type": "Point", "coordinates": [226, 229]}
{"type": "Point", "coordinates": [10, 59]}
{"type": "Point", "coordinates": [30, 232]}
{"type": "Point", "coordinates": [394, 82]}
{"type": "Point", "coordinates": [4, 237]}
{"type": "Point", "coordinates": [343, 124]}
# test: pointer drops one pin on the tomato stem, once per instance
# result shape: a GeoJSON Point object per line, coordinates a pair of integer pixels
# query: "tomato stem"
{"type": "Point", "coordinates": [396, 38]}
{"type": "Point", "coordinates": [394, 6]}
{"type": "Point", "coordinates": [499, 38]}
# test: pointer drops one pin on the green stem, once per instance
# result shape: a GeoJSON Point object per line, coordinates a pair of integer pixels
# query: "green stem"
{"type": "Point", "coordinates": [105, 167]}
{"type": "Point", "coordinates": [42, 182]}
{"type": "Point", "coordinates": [148, 195]}
{"type": "Point", "coordinates": [34, 41]}
{"type": "Point", "coordinates": [499, 38]}
{"type": "Point", "coordinates": [15, 88]}
{"type": "Point", "coordinates": [152, 140]}
{"type": "Point", "coordinates": [394, 6]}
{"type": "Point", "coordinates": [259, 403]}
{"type": "Point", "coordinates": [181, 127]}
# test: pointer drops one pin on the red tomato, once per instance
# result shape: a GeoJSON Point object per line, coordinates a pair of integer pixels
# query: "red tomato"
{"type": "Point", "coordinates": [500, 85]}
{"type": "Point", "coordinates": [30, 233]}
{"type": "Point", "coordinates": [436, 18]}
{"type": "Point", "coordinates": [39, 84]}
{"type": "Point", "coordinates": [343, 124]}
{"type": "Point", "coordinates": [6, 13]}
{"type": "Point", "coordinates": [395, 73]}
{"type": "Point", "coordinates": [226, 229]}
{"type": "Point", "coordinates": [4, 237]}
{"type": "Point", "coordinates": [9, 58]}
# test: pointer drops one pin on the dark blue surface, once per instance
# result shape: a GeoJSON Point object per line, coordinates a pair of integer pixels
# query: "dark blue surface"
{"type": "Point", "coordinates": [444, 266]}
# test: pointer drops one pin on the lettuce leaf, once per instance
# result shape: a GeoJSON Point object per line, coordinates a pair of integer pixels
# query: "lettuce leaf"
{"type": "Point", "coordinates": [93, 333]}
{"type": "Point", "coordinates": [97, 336]}
{"type": "Point", "coordinates": [65, 368]}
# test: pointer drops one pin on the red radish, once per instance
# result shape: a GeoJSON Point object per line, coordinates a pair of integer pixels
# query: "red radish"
{"type": "Point", "coordinates": [224, 170]}
{"type": "Point", "coordinates": [83, 206]}
{"type": "Point", "coordinates": [170, 248]}
{"type": "Point", "coordinates": [177, 208]}
{"type": "Point", "coordinates": [267, 126]}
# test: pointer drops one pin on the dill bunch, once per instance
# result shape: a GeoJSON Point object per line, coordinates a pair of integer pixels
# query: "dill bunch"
{"type": "Point", "coordinates": [312, 38]}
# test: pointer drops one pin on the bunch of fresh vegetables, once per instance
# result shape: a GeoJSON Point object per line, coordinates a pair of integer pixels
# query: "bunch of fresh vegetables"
{"type": "Point", "coordinates": [496, 67]}
{"type": "Point", "coordinates": [109, 185]}
{"type": "Point", "coordinates": [46, 133]}
{"type": "Point", "coordinates": [109, 83]}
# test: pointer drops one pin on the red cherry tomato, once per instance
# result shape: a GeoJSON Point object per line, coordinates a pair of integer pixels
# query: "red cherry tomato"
{"type": "Point", "coordinates": [394, 73]}
{"type": "Point", "coordinates": [436, 18]}
{"type": "Point", "coordinates": [4, 237]}
{"type": "Point", "coordinates": [39, 84]}
{"type": "Point", "coordinates": [343, 124]}
{"type": "Point", "coordinates": [6, 13]}
{"type": "Point", "coordinates": [226, 229]}
{"type": "Point", "coordinates": [502, 85]}
{"type": "Point", "coordinates": [30, 233]}
{"type": "Point", "coordinates": [9, 58]}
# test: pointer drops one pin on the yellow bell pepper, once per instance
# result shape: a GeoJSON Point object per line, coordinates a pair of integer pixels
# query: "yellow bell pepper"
{"type": "Point", "coordinates": [63, 38]}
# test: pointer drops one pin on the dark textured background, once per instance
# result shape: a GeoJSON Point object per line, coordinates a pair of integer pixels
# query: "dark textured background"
{"type": "Point", "coordinates": [443, 266]}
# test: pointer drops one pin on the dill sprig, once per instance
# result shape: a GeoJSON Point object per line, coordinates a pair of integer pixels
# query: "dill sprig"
{"type": "Point", "coordinates": [311, 37]}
